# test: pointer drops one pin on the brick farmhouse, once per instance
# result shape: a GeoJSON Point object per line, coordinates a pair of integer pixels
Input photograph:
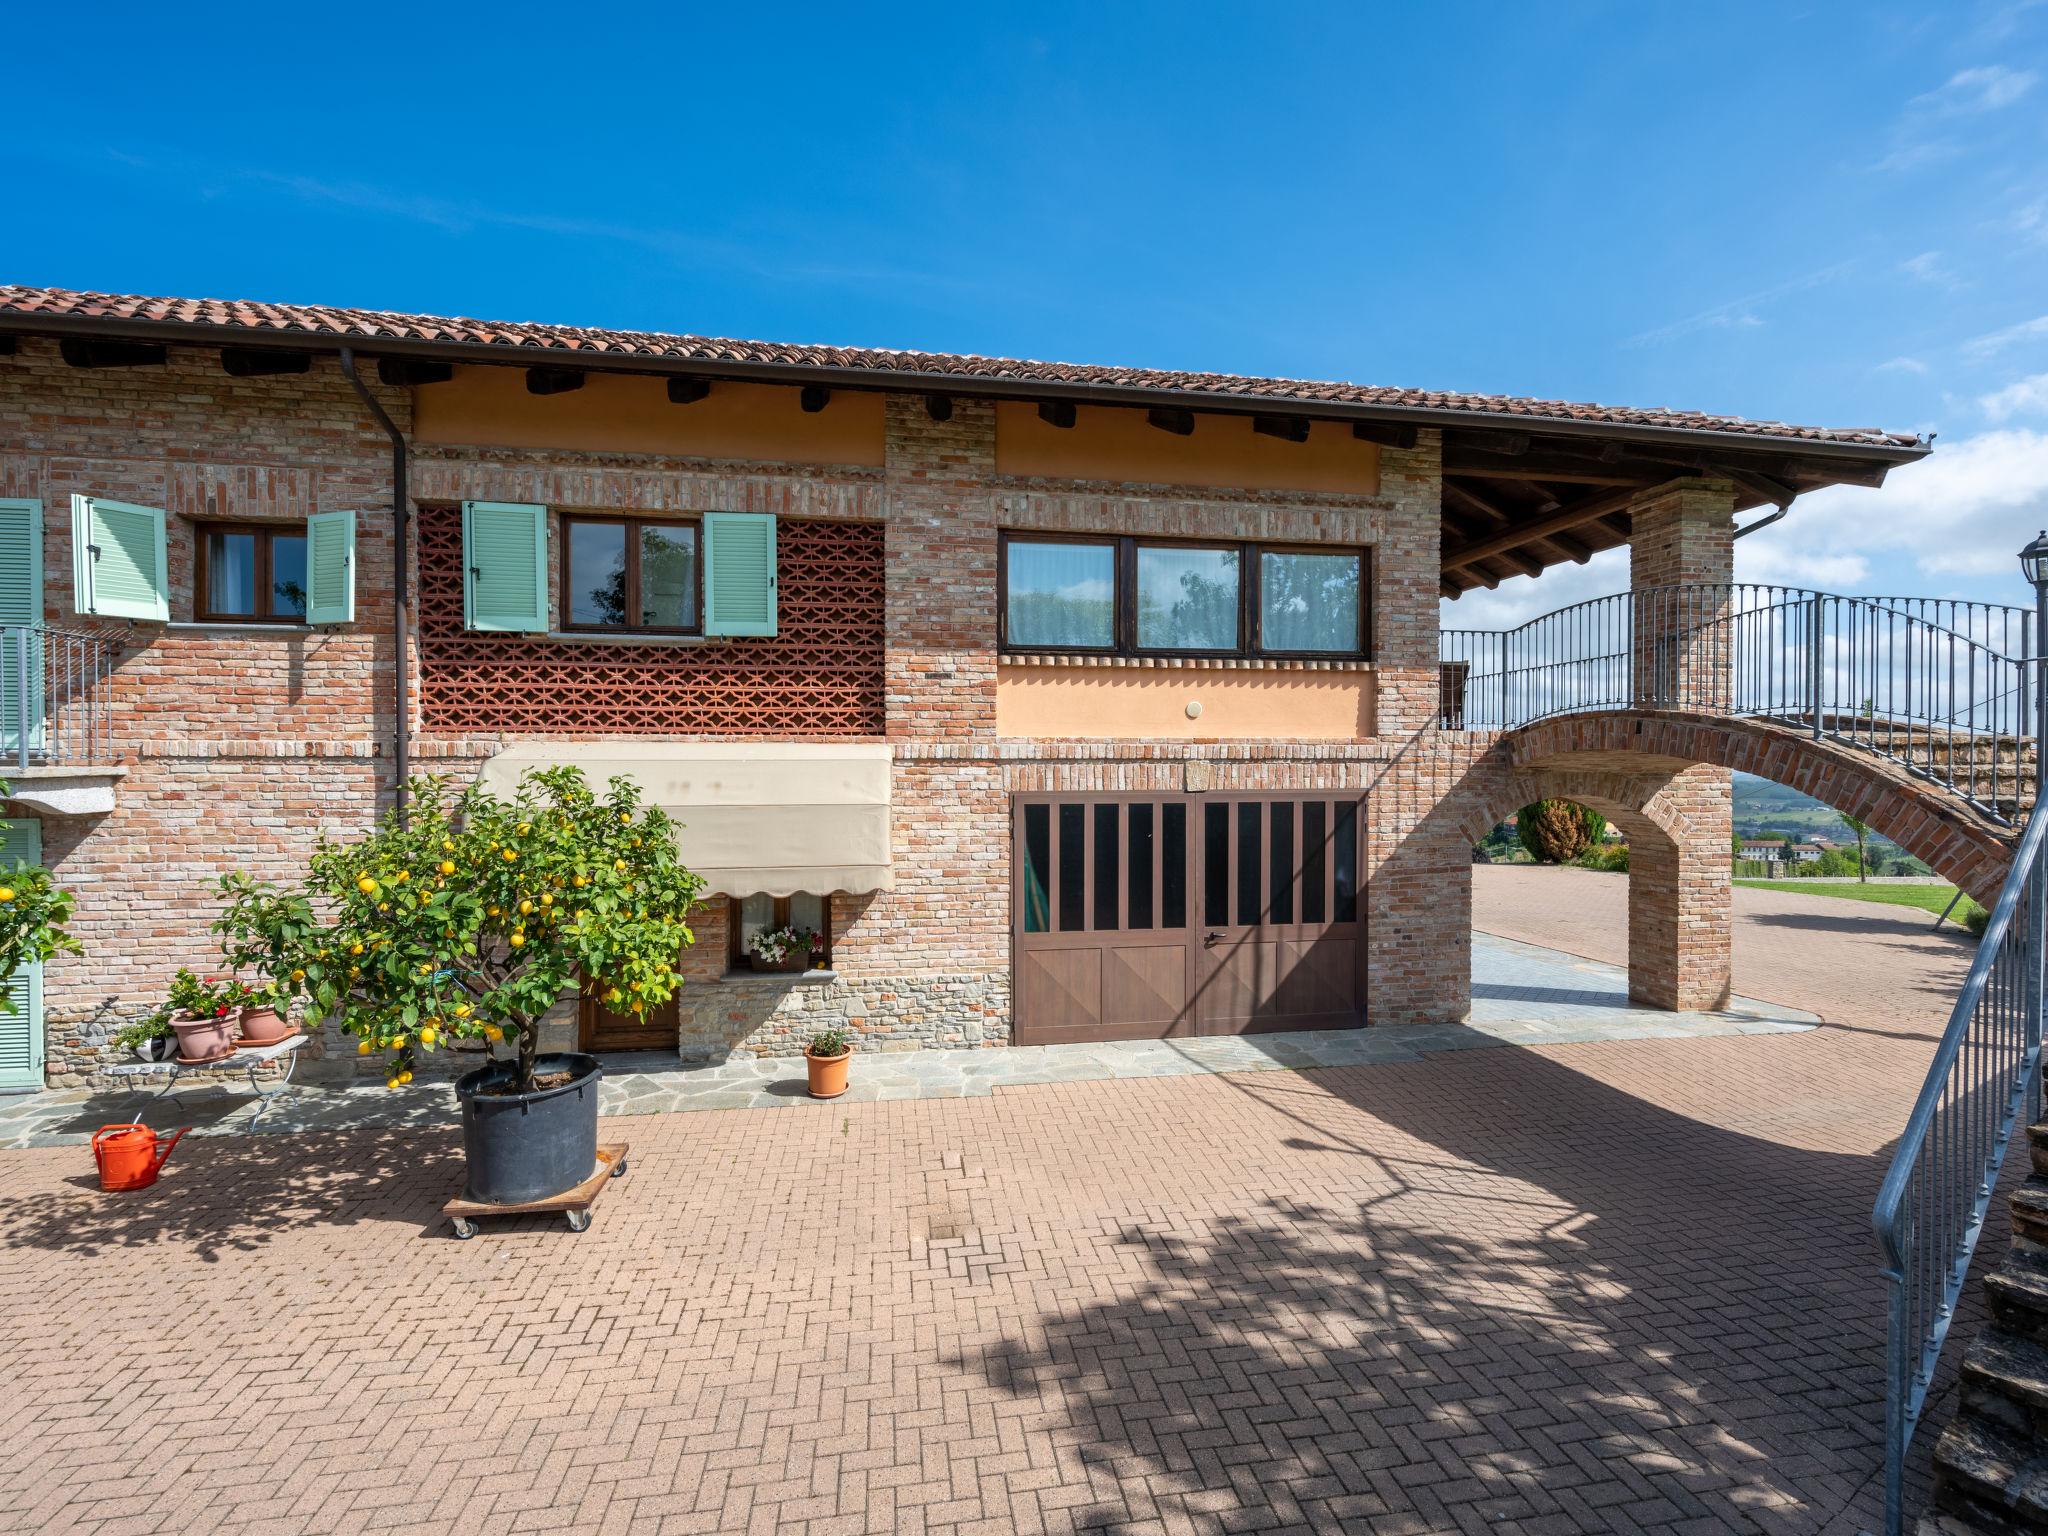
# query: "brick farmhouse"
{"type": "Point", "coordinates": [1062, 703]}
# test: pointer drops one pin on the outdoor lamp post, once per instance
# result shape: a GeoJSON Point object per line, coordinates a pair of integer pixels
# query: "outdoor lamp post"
{"type": "Point", "coordinates": [2034, 561]}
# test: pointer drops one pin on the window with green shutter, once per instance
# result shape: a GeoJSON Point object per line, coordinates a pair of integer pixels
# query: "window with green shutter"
{"type": "Point", "coordinates": [21, 1030]}
{"type": "Point", "coordinates": [21, 611]}
{"type": "Point", "coordinates": [118, 565]}
{"type": "Point", "coordinates": [739, 573]}
{"type": "Point", "coordinates": [331, 568]}
{"type": "Point", "coordinates": [505, 566]}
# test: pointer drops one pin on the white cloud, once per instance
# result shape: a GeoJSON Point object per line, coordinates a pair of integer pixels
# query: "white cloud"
{"type": "Point", "coordinates": [1737, 314]}
{"type": "Point", "coordinates": [2027, 397]}
{"type": "Point", "coordinates": [1902, 365]}
{"type": "Point", "coordinates": [1521, 598]}
{"type": "Point", "coordinates": [1997, 341]}
{"type": "Point", "coordinates": [1970, 91]}
{"type": "Point", "coordinates": [1962, 511]}
{"type": "Point", "coordinates": [1927, 268]}
{"type": "Point", "coordinates": [1787, 564]}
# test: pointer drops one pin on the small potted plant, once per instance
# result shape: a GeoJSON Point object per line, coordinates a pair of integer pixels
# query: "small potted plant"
{"type": "Point", "coordinates": [782, 949]}
{"type": "Point", "coordinates": [151, 1037]}
{"type": "Point", "coordinates": [204, 1013]}
{"type": "Point", "coordinates": [825, 1060]}
{"type": "Point", "coordinates": [263, 1016]}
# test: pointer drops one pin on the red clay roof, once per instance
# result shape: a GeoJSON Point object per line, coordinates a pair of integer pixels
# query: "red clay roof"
{"type": "Point", "coordinates": [369, 326]}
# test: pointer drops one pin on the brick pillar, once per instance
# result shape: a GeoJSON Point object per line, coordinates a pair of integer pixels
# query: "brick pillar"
{"type": "Point", "coordinates": [1407, 568]}
{"type": "Point", "coordinates": [940, 545]}
{"type": "Point", "coordinates": [1679, 897]}
{"type": "Point", "coordinates": [1681, 558]}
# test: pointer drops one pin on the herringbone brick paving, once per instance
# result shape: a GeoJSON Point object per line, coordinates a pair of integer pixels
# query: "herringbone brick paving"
{"type": "Point", "coordinates": [1622, 1286]}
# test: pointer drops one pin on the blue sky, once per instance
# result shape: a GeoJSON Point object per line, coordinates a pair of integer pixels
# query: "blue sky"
{"type": "Point", "coordinates": [1836, 214]}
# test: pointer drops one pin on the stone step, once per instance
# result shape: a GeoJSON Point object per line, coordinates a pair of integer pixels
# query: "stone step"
{"type": "Point", "coordinates": [2037, 1146]}
{"type": "Point", "coordinates": [2018, 1290]}
{"type": "Point", "coordinates": [2005, 1380]}
{"type": "Point", "coordinates": [2029, 1207]}
{"type": "Point", "coordinates": [1992, 1477]}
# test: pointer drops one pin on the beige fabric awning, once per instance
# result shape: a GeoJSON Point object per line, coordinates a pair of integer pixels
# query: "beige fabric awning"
{"type": "Point", "coordinates": [755, 818]}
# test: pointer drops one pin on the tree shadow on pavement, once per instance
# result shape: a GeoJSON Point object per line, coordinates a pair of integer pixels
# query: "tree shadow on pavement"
{"type": "Point", "coordinates": [225, 1195]}
{"type": "Point", "coordinates": [1487, 1291]}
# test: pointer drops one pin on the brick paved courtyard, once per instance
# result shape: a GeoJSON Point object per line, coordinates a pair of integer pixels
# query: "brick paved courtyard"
{"type": "Point", "coordinates": [1613, 1286]}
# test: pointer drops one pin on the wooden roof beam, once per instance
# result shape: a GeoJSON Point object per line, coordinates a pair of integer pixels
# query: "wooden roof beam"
{"type": "Point", "coordinates": [1563, 520]}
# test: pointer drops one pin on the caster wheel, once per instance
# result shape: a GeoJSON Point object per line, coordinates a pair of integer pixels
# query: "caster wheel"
{"type": "Point", "coordinates": [618, 1168]}
{"type": "Point", "coordinates": [464, 1227]}
{"type": "Point", "coordinates": [579, 1221]}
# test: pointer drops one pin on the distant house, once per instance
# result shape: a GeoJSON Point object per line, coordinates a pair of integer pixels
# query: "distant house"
{"type": "Point", "coordinates": [1763, 848]}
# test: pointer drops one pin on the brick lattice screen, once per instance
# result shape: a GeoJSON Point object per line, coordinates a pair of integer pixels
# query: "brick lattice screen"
{"type": "Point", "coordinates": [821, 676]}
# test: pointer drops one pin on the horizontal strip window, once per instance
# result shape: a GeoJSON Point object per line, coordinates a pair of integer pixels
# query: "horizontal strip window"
{"type": "Point", "coordinates": [1159, 597]}
{"type": "Point", "coordinates": [249, 573]}
{"type": "Point", "coordinates": [631, 575]}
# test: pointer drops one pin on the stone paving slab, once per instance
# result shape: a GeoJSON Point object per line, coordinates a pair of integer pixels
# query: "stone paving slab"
{"type": "Point", "coordinates": [1523, 995]}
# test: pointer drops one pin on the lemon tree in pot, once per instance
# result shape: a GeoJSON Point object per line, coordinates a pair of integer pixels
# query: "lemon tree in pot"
{"type": "Point", "coordinates": [469, 922]}
{"type": "Point", "coordinates": [33, 913]}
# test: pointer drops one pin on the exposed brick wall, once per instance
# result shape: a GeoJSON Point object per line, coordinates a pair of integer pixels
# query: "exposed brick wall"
{"type": "Point", "coordinates": [242, 746]}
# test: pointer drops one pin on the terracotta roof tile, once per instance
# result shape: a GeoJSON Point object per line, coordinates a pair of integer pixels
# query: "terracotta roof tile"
{"type": "Point", "coordinates": [312, 321]}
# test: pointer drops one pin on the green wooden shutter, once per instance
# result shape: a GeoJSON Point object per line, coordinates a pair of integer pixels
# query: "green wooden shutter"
{"type": "Point", "coordinates": [21, 612]}
{"type": "Point", "coordinates": [739, 573]}
{"type": "Point", "coordinates": [21, 1031]}
{"type": "Point", "coordinates": [331, 568]}
{"type": "Point", "coordinates": [118, 561]}
{"type": "Point", "coordinates": [505, 560]}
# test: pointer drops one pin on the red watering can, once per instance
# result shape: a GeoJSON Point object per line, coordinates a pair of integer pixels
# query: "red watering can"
{"type": "Point", "coordinates": [128, 1155]}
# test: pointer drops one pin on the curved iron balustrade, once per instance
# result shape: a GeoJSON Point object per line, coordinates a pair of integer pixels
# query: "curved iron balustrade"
{"type": "Point", "coordinates": [1938, 685]}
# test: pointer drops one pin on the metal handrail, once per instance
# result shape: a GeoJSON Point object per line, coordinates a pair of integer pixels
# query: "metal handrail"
{"type": "Point", "coordinates": [53, 704]}
{"type": "Point", "coordinates": [1931, 1207]}
{"type": "Point", "coordinates": [1914, 680]}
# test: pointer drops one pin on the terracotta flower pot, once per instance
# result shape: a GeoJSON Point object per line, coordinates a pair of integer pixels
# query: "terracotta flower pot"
{"type": "Point", "coordinates": [263, 1026]}
{"type": "Point", "coordinates": [828, 1074]}
{"type": "Point", "coordinates": [205, 1038]}
{"type": "Point", "coordinates": [796, 960]}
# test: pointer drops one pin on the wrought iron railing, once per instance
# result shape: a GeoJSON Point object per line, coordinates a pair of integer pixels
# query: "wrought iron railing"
{"type": "Point", "coordinates": [1939, 686]}
{"type": "Point", "coordinates": [53, 704]}
{"type": "Point", "coordinates": [1931, 1208]}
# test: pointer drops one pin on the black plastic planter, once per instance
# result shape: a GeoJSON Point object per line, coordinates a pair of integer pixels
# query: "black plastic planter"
{"type": "Point", "coordinates": [528, 1146]}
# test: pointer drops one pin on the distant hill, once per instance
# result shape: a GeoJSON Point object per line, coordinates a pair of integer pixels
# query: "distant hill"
{"type": "Point", "coordinates": [1764, 808]}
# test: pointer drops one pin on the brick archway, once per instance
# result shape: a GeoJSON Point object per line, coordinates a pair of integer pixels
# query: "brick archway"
{"type": "Point", "coordinates": [1929, 822]}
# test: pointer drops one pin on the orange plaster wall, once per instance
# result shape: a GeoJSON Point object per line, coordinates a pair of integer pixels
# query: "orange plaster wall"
{"type": "Point", "coordinates": [1107, 702]}
{"type": "Point", "coordinates": [1116, 443]}
{"type": "Point", "coordinates": [630, 413]}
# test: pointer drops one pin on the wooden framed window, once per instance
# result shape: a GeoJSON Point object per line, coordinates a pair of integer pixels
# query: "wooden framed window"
{"type": "Point", "coordinates": [1124, 596]}
{"type": "Point", "coordinates": [632, 574]}
{"type": "Point", "coordinates": [249, 573]}
{"type": "Point", "coordinates": [746, 916]}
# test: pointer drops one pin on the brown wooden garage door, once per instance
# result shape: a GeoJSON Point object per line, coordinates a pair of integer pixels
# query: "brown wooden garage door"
{"type": "Point", "coordinates": [1146, 916]}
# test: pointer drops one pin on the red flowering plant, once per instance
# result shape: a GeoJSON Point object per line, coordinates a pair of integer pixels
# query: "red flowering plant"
{"type": "Point", "coordinates": [472, 918]}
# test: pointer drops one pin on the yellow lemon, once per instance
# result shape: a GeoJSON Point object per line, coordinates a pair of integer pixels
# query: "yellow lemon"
{"type": "Point", "coordinates": [490, 911]}
{"type": "Point", "coordinates": [429, 1036]}
{"type": "Point", "coordinates": [298, 975]}
{"type": "Point", "coordinates": [525, 827]}
{"type": "Point", "coordinates": [397, 1041]}
{"type": "Point", "coordinates": [426, 970]}
{"type": "Point", "coordinates": [447, 866]}
{"type": "Point", "coordinates": [6, 893]}
{"type": "Point", "coordinates": [405, 1077]}
{"type": "Point", "coordinates": [402, 876]}
{"type": "Point", "coordinates": [510, 854]}
{"type": "Point", "coordinates": [367, 886]}
{"type": "Point", "coordinates": [546, 900]}
{"type": "Point", "coordinates": [362, 1047]}
{"type": "Point", "coordinates": [579, 882]}
{"type": "Point", "coordinates": [493, 1034]}
{"type": "Point", "coordinates": [390, 1082]}
{"type": "Point", "coordinates": [516, 938]}
{"type": "Point", "coordinates": [447, 845]}
{"type": "Point", "coordinates": [355, 949]}
{"type": "Point", "coordinates": [618, 866]}
{"type": "Point", "coordinates": [625, 816]}
{"type": "Point", "coordinates": [525, 907]}
{"type": "Point", "coordinates": [462, 1010]}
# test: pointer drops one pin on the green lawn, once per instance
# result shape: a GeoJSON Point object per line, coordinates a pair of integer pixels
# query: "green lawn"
{"type": "Point", "coordinates": [1928, 898]}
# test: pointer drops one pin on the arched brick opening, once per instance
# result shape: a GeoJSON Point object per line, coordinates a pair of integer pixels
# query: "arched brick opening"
{"type": "Point", "coordinates": [1431, 806]}
{"type": "Point", "coordinates": [1931, 823]}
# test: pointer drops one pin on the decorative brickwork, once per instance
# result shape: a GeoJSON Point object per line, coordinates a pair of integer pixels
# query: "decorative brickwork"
{"type": "Point", "coordinates": [820, 676]}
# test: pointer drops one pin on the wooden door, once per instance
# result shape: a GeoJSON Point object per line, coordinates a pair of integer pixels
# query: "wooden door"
{"type": "Point", "coordinates": [1281, 936]}
{"type": "Point", "coordinates": [1100, 917]}
{"type": "Point", "coordinates": [1148, 916]}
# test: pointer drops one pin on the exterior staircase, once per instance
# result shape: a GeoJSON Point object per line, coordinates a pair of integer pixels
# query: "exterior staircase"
{"type": "Point", "coordinates": [1991, 1462]}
